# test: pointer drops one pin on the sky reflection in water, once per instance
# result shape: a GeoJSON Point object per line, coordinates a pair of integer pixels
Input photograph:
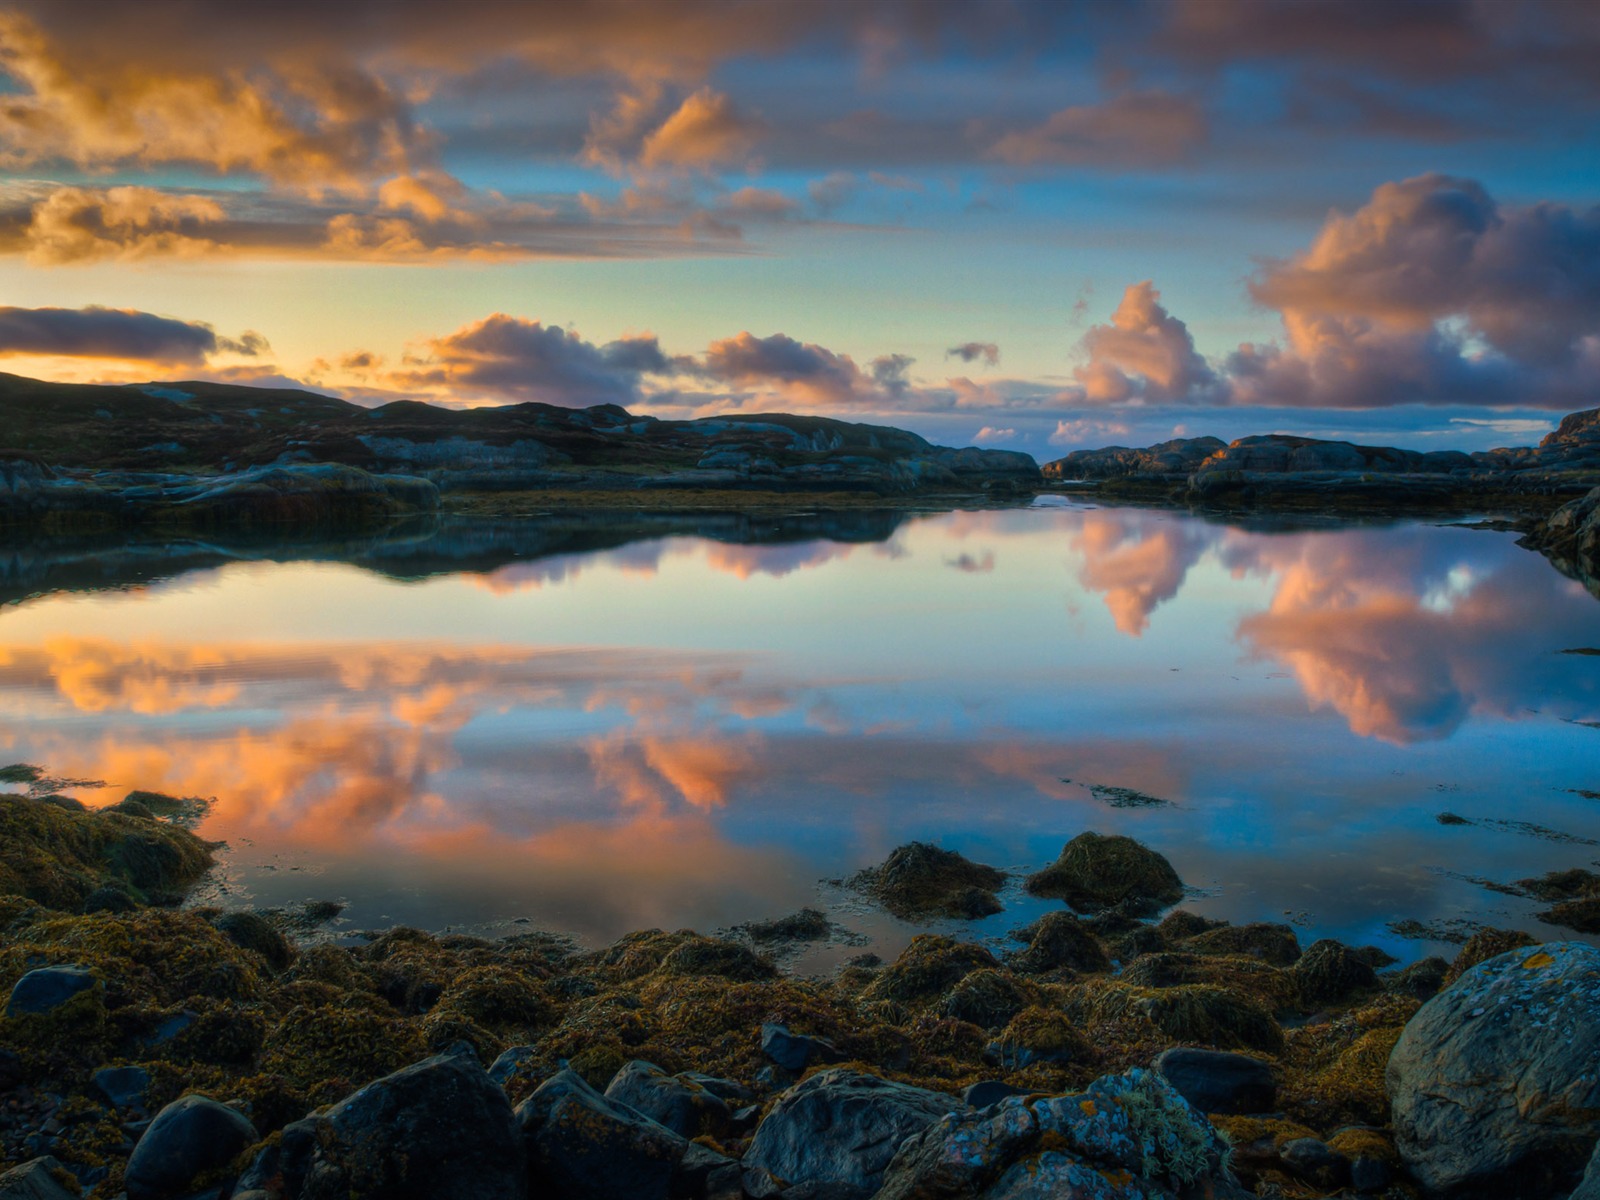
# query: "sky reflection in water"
{"type": "Point", "coordinates": [681, 731]}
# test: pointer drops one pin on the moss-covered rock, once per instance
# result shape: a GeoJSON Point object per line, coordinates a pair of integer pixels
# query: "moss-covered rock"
{"type": "Point", "coordinates": [1058, 942]}
{"type": "Point", "coordinates": [1330, 973]}
{"type": "Point", "coordinates": [923, 880]}
{"type": "Point", "coordinates": [986, 998]}
{"type": "Point", "coordinates": [1482, 946]}
{"type": "Point", "coordinates": [1275, 944]}
{"type": "Point", "coordinates": [1098, 872]}
{"type": "Point", "coordinates": [930, 966]}
{"type": "Point", "coordinates": [251, 931]}
{"type": "Point", "coordinates": [1192, 1014]}
{"type": "Point", "coordinates": [1273, 987]}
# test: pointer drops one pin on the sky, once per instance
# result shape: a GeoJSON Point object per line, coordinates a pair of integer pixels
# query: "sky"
{"type": "Point", "coordinates": [1039, 226]}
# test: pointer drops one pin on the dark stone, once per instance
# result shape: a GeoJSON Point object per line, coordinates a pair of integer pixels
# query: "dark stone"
{"type": "Point", "coordinates": [1315, 1162]}
{"type": "Point", "coordinates": [695, 1168]}
{"type": "Point", "coordinates": [1589, 1187]}
{"type": "Point", "coordinates": [990, 1091]}
{"type": "Point", "coordinates": [841, 1126]}
{"type": "Point", "coordinates": [793, 1051]}
{"type": "Point", "coordinates": [509, 1062]}
{"type": "Point", "coordinates": [730, 1090]}
{"type": "Point", "coordinates": [680, 1104]}
{"type": "Point", "coordinates": [34, 1180]}
{"type": "Point", "coordinates": [440, 1129]}
{"type": "Point", "coordinates": [1373, 1174]}
{"type": "Point", "coordinates": [125, 1087]}
{"type": "Point", "coordinates": [188, 1138]}
{"type": "Point", "coordinates": [46, 988]}
{"type": "Point", "coordinates": [582, 1146]}
{"type": "Point", "coordinates": [1214, 1081]}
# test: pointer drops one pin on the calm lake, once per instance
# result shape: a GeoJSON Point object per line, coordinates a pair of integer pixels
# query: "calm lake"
{"type": "Point", "coordinates": [597, 723]}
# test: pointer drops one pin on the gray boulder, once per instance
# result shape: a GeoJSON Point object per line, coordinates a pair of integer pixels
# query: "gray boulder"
{"type": "Point", "coordinates": [125, 1087]}
{"type": "Point", "coordinates": [188, 1138]}
{"type": "Point", "coordinates": [843, 1127]}
{"type": "Point", "coordinates": [1215, 1081]}
{"type": "Point", "coordinates": [582, 1146]}
{"type": "Point", "coordinates": [676, 1101]}
{"type": "Point", "coordinates": [440, 1129]}
{"type": "Point", "coordinates": [47, 988]}
{"type": "Point", "coordinates": [794, 1051]}
{"type": "Point", "coordinates": [1493, 1085]}
{"type": "Point", "coordinates": [1589, 1189]}
{"type": "Point", "coordinates": [34, 1181]}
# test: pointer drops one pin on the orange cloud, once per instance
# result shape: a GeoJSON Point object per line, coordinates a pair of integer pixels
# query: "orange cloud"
{"type": "Point", "coordinates": [1135, 129]}
{"type": "Point", "coordinates": [1135, 562]}
{"type": "Point", "coordinates": [706, 131]}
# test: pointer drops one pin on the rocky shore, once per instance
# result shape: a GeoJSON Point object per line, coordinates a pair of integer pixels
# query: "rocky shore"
{"type": "Point", "coordinates": [1120, 1048]}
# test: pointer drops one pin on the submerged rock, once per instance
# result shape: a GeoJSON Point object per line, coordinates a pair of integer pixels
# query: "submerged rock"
{"type": "Point", "coordinates": [1493, 1083]}
{"type": "Point", "coordinates": [840, 1126]}
{"type": "Point", "coordinates": [922, 880]}
{"type": "Point", "coordinates": [1097, 872]}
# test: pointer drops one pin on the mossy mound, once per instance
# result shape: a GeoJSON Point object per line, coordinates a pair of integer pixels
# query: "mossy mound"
{"type": "Point", "coordinates": [1191, 1015]}
{"type": "Point", "coordinates": [1097, 872]}
{"type": "Point", "coordinates": [1043, 1034]}
{"type": "Point", "coordinates": [252, 931]}
{"type": "Point", "coordinates": [714, 956]}
{"type": "Point", "coordinates": [1059, 942]}
{"type": "Point", "coordinates": [1274, 988]}
{"type": "Point", "coordinates": [1482, 946]}
{"type": "Point", "coordinates": [922, 880]}
{"type": "Point", "coordinates": [807, 925]}
{"type": "Point", "coordinates": [1331, 973]}
{"type": "Point", "coordinates": [987, 998]}
{"type": "Point", "coordinates": [930, 966]}
{"type": "Point", "coordinates": [60, 857]}
{"type": "Point", "coordinates": [1275, 944]}
{"type": "Point", "coordinates": [1333, 1070]}
{"type": "Point", "coordinates": [1580, 915]}
{"type": "Point", "coordinates": [1182, 925]}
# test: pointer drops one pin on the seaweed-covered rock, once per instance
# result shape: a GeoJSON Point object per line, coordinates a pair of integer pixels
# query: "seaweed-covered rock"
{"type": "Point", "coordinates": [1216, 1081]}
{"type": "Point", "coordinates": [1038, 1034]}
{"type": "Point", "coordinates": [1482, 946]}
{"type": "Point", "coordinates": [1329, 973]}
{"type": "Point", "coordinates": [188, 1138]}
{"type": "Point", "coordinates": [45, 989]}
{"type": "Point", "coordinates": [1198, 1013]}
{"type": "Point", "coordinates": [1059, 941]}
{"type": "Point", "coordinates": [582, 1146]}
{"type": "Point", "coordinates": [1493, 1083]}
{"type": "Point", "coordinates": [440, 1129]}
{"type": "Point", "coordinates": [986, 998]}
{"type": "Point", "coordinates": [716, 956]}
{"type": "Point", "coordinates": [1125, 1137]}
{"type": "Point", "coordinates": [921, 880]}
{"type": "Point", "coordinates": [1421, 979]}
{"type": "Point", "coordinates": [1275, 944]}
{"type": "Point", "coordinates": [1098, 872]}
{"type": "Point", "coordinates": [678, 1102]}
{"type": "Point", "coordinates": [930, 966]}
{"type": "Point", "coordinates": [252, 931]}
{"type": "Point", "coordinates": [840, 1126]}
{"type": "Point", "coordinates": [35, 1180]}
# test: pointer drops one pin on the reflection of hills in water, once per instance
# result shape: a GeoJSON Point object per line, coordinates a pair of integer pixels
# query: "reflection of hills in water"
{"type": "Point", "coordinates": [417, 549]}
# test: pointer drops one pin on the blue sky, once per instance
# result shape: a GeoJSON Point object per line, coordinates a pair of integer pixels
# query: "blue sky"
{"type": "Point", "coordinates": [1142, 220]}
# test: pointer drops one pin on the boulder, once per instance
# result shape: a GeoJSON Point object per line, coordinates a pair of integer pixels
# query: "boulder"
{"type": "Point", "coordinates": [35, 1180]}
{"type": "Point", "coordinates": [440, 1129]}
{"type": "Point", "coordinates": [1589, 1188]}
{"type": "Point", "coordinates": [1493, 1084]}
{"type": "Point", "coordinates": [1126, 1137]}
{"type": "Point", "coordinates": [1315, 1162]}
{"type": "Point", "coordinates": [1097, 872]}
{"type": "Point", "coordinates": [1215, 1081]}
{"type": "Point", "coordinates": [922, 880]}
{"type": "Point", "coordinates": [793, 1051]}
{"type": "Point", "coordinates": [583, 1146]}
{"type": "Point", "coordinates": [125, 1087]}
{"type": "Point", "coordinates": [188, 1138]}
{"type": "Point", "coordinates": [1329, 973]}
{"type": "Point", "coordinates": [509, 1062]}
{"type": "Point", "coordinates": [46, 988]}
{"type": "Point", "coordinates": [840, 1126]}
{"type": "Point", "coordinates": [676, 1101]}
{"type": "Point", "coordinates": [988, 1092]}
{"type": "Point", "coordinates": [1059, 941]}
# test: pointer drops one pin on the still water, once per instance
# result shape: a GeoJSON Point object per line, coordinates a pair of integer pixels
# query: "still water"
{"type": "Point", "coordinates": [596, 724]}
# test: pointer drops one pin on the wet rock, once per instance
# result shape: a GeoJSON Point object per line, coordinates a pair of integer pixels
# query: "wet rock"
{"type": "Point", "coordinates": [440, 1129]}
{"type": "Point", "coordinates": [509, 1062]}
{"type": "Point", "coordinates": [1329, 973]}
{"type": "Point", "coordinates": [989, 1092]}
{"type": "Point", "coordinates": [793, 1051]}
{"type": "Point", "coordinates": [922, 880]}
{"type": "Point", "coordinates": [1134, 1129]}
{"type": "Point", "coordinates": [840, 1126]}
{"type": "Point", "coordinates": [582, 1146]}
{"type": "Point", "coordinates": [807, 925]}
{"type": "Point", "coordinates": [1098, 872]}
{"type": "Point", "coordinates": [1581, 916]}
{"type": "Point", "coordinates": [35, 1180]}
{"type": "Point", "coordinates": [1314, 1162]}
{"type": "Point", "coordinates": [1492, 1083]}
{"type": "Point", "coordinates": [675, 1101]}
{"type": "Point", "coordinates": [124, 1087]}
{"type": "Point", "coordinates": [47, 988]}
{"type": "Point", "coordinates": [187, 1139]}
{"type": "Point", "coordinates": [1589, 1188]}
{"type": "Point", "coordinates": [1215, 1081]}
{"type": "Point", "coordinates": [1059, 941]}
{"type": "Point", "coordinates": [1421, 979]}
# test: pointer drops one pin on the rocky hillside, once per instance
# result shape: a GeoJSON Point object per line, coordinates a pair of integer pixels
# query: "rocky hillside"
{"type": "Point", "coordinates": [1284, 471]}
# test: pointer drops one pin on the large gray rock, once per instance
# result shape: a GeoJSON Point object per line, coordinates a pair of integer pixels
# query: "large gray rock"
{"type": "Point", "coordinates": [1128, 1137]}
{"type": "Point", "coordinates": [582, 1146]}
{"type": "Point", "coordinates": [34, 1181]}
{"type": "Point", "coordinates": [843, 1127]}
{"type": "Point", "coordinates": [680, 1103]}
{"type": "Point", "coordinates": [440, 1129]}
{"type": "Point", "coordinates": [188, 1138]}
{"type": "Point", "coordinates": [1494, 1085]}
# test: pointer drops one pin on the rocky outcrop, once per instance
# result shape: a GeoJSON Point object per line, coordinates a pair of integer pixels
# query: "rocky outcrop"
{"type": "Point", "coordinates": [922, 880]}
{"type": "Point", "coordinates": [1165, 460]}
{"type": "Point", "coordinates": [1096, 873]}
{"type": "Point", "coordinates": [1493, 1083]}
{"type": "Point", "coordinates": [1570, 539]}
{"type": "Point", "coordinates": [583, 1146]}
{"type": "Point", "coordinates": [840, 1126]}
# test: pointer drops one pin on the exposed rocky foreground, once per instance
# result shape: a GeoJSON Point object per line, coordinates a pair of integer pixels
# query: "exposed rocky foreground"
{"type": "Point", "coordinates": [1278, 471]}
{"type": "Point", "coordinates": [161, 1054]}
{"type": "Point", "coordinates": [216, 455]}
